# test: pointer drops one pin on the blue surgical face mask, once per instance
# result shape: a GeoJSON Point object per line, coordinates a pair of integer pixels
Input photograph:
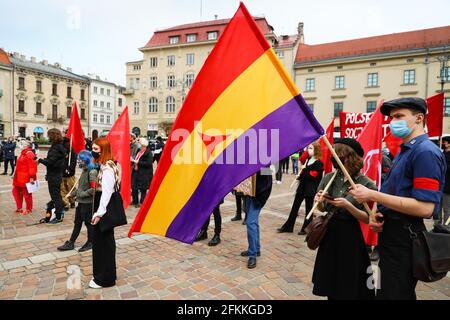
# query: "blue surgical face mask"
{"type": "Point", "coordinates": [400, 129]}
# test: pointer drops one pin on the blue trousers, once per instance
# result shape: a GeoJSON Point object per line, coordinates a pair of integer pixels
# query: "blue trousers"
{"type": "Point", "coordinates": [253, 212]}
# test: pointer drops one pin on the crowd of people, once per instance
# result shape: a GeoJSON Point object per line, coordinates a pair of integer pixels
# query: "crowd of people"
{"type": "Point", "coordinates": [415, 186]}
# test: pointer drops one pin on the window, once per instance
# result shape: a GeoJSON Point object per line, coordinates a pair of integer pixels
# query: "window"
{"type": "Point", "coordinates": [136, 108]}
{"type": "Point", "coordinates": [340, 82]}
{"type": "Point", "coordinates": [311, 106]}
{"type": "Point", "coordinates": [373, 64]}
{"type": "Point", "coordinates": [447, 107]}
{"type": "Point", "coordinates": [153, 82]}
{"type": "Point", "coordinates": [38, 85]}
{"type": "Point", "coordinates": [409, 77]}
{"type": "Point", "coordinates": [174, 40]}
{"type": "Point", "coordinates": [83, 114]}
{"type": "Point", "coordinates": [108, 105]}
{"type": "Point", "coordinates": [69, 112]}
{"type": "Point", "coordinates": [170, 61]}
{"type": "Point", "coordinates": [21, 83]}
{"type": "Point", "coordinates": [190, 79]}
{"type": "Point", "coordinates": [137, 67]}
{"type": "Point", "coordinates": [108, 92]}
{"type": "Point", "coordinates": [445, 74]}
{"type": "Point", "coordinates": [55, 112]}
{"type": "Point", "coordinates": [280, 54]}
{"type": "Point", "coordinates": [372, 80]}
{"type": "Point", "coordinates": [190, 58]}
{"type": "Point", "coordinates": [191, 37]}
{"type": "Point", "coordinates": [108, 119]}
{"type": "Point", "coordinates": [102, 118]}
{"type": "Point", "coordinates": [82, 94]}
{"type": "Point", "coordinates": [137, 83]}
{"type": "Point", "coordinates": [95, 90]}
{"type": "Point", "coordinates": [171, 81]}
{"type": "Point", "coordinates": [153, 62]}
{"type": "Point", "coordinates": [212, 35]}
{"type": "Point", "coordinates": [21, 105]}
{"type": "Point", "coordinates": [69, 92]}
{"type": "Point", "coordinates": [338, 107]}
{"type": "Point", "coordinates": [102, 104]}
{"type": "Point", "coordinates": [120, 102]}
{"type": "Point", "coordinates": [102, 91]}
{"type": "Point", "coordinates": [95, 117]}
{"type": "Point", "coordinates": [170, 104]}
{"type": "Point", "coordinates": [95, 103]}
{"type": "Point", "coordinates": [39, 108]}
{"type": "Point", "coordinates": [310, 84]}
{"type": "Point", "coordinates": [55, 89]}
{"type": "Point", "coordinates": [153, 105]}
{"type": "Point", "coordinates": [371, 106]}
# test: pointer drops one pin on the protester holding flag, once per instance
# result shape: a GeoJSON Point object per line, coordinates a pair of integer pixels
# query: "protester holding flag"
{"type": "Point", "coordinates": [68, 180]}
{"type": "Point", "coordinates": [54, 162]}
{"type": "Point", "coordinates": [142, 172]}
{"type": "Point", "coordinates": [342, 262]}
{"type": "Point", "coordinates": [309, 178]}
{"type": "Point", "coordinates": [104, 244]}
{"type": "Point", "coordinates": [412, 191]}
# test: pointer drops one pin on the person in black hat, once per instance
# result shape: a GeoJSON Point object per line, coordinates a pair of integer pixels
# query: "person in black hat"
{"type": "Point", "coordinates": [342, 262]}
{"type": "Point", "coordinates": [411, 192]}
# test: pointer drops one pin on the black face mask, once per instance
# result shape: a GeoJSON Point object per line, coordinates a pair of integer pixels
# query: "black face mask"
{"type": "Point", "coordinates": [95, 155]}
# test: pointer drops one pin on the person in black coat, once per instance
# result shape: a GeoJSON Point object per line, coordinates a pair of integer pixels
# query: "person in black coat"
{"type": "Point", "coordinates": [68, 180]}
{"type": "Point", "coordinates": [309, 179]}
{"type": "Point", "coordinates": [9, 148]}
{"type": "Point", "coordinates": [142, 172]}
{"type": "Point", "coordinates": [54, 162]}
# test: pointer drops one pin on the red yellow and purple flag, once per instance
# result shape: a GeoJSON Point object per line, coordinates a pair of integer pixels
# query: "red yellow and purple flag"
{"type": "Point", "coordinates": [242, 113]}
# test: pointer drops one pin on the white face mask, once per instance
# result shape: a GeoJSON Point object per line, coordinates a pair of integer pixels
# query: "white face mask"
{"type": "Point", "coordinates": [311, 152]}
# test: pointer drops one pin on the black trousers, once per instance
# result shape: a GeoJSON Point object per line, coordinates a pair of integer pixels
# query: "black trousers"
{"type": "Point", "coordinates": [239, 200]}
{"type": "Point", "coordinates": [11, 162]}
{"type": "Point", "coordinates": [279, 173]}
{"type": "Point", "coordinates": [83, 213]}
{"type": "Point", "coordinates": [135, 189]}
{"type": "Point", "coordinates": [309, 202]}
{"type": "Point", "coordinates": [104, 257]}
{"type": "Point", "coordinates": [285, 165]}
{"type": "Point", "coordinates": [54, 188]}
{"type": "Point", "coordinates": [217, 222]}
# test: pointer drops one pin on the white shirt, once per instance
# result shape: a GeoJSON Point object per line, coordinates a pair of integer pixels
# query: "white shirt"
{"type": "Point", "coordinates": [108, 182]}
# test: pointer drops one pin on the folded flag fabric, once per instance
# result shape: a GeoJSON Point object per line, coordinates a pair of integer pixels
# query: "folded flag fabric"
{"type": "Point", "coordinates": [242, 113]}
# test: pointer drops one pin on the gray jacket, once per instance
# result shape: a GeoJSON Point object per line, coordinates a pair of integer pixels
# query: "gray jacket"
{"type": "Point", "coordinates": [85, 191]}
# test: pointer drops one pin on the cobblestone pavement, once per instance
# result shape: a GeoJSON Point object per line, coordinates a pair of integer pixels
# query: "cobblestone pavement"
{"type": "Point", "coordinates": [151, 267]}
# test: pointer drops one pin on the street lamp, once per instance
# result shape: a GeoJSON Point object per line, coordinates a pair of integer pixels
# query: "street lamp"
{"type": "Point", "coordinates": [444, 74]}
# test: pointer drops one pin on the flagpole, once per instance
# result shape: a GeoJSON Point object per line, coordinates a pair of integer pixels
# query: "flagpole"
{"type": "Point", "coordinates": [341, 166]}
{"type": "Point", "coordinates": [70, 148]}
{"type": "Point", "coordinates": [325, 190]}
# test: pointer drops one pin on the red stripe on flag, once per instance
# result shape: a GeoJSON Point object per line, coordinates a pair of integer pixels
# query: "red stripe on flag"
{"type": "Point", "coordinates": [426, 184]}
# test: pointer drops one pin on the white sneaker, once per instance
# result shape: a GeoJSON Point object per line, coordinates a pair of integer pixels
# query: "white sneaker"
{"type": "Point", "coordinates": [278, 182]}
{"type": "Point", "coordinates": [93, 285]}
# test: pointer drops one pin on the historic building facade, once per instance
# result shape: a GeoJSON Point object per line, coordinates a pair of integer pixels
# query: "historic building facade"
{"type": "Point", "coordinates": [6, 95]}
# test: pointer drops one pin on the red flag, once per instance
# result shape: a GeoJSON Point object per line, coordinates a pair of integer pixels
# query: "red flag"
{"type": "Point", "coordinates": [326, 153]}
{"type": "Point", "coordinates": [435, 115]}
{"type": "Point", "coordinates": [119, 137]}
{"type": "Point", "coordinates": [393, 143]}
{"type": "Point", "coordinates": [371, 141]}
{"type": "Point", "coordinates": [75, 131]}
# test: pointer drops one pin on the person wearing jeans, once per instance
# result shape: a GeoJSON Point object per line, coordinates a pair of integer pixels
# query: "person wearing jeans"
{"type": "Point", "coordinates": [253, 208]}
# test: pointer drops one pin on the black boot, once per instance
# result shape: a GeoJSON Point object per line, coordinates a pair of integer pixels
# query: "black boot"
{"type": "Point", "coordinates": [251, 264]}
{"type": "Point", "coordinates": [87, 246]}
{"type": "Point", "coordinates": [214, 241]}
{"type": "Point", "coordinates": [237, 217]}
{"type": "Point", "coordinates": [69, 245]}
{"type": "Point", "coordinates": [203, 235]}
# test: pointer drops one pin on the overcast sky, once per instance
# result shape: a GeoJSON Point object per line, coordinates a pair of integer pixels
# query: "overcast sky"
{"type": "Point", "coordinates": [99, 36]}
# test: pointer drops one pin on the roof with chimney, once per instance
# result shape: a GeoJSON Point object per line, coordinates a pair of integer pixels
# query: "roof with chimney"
{"type": "Point", "coordinates": [200, 29]}
{"type": "Point", "coordinates": [4, 59]}
{"type": "Point", "coordinates": [396, 42]}
{"type": "Point", "coordinates": [21, 62]}
{"type": "Point", "coordinates": [286, 41]}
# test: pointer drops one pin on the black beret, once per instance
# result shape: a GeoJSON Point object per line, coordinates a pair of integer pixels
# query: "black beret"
{"type": "Point", "coordinates": [407, 103]}
{"type": "Point", "coordinates": [446, 139]}
{"type": "Point", "coordinates": [352, 143]}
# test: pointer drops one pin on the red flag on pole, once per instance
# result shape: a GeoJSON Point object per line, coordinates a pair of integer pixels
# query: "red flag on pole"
{"type": "Point", "coordinates": [393, 143]}
{"type": "Point", "coordinates": [371, 141]}
{"type": "Point", "coordinates": [435, 115]}
{"type": "Point", "coordinates": [75, 131]}
{"type": "Point", "coordinates": [326, 154]}
{"type": "Point", "coordinates": [119, 137]}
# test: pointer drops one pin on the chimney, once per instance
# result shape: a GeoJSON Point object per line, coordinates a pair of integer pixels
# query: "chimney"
{"type": "Point", "coordinates": [57, 65]}
{"type": "Point", "coordinates": [301, 32]}
{"type": "Point", "coordinates": [45, 62]}
{"type": "Point", "coordinates": [69, 69]}
{"type": "Point", "coordinates": [215, 17]}
{"type": "Point", "coordinates": [16, 55]}
{"type": "Point", "coordinates": [23, 57]}
{"type": "Point", "coordinates": [33, 59]}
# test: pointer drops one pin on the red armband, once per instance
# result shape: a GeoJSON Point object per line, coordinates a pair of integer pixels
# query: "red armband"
{"type": "Point", "coordinates": [314, 173]}
{"type": "Point", "coordinates": [92, 184]}
{"type": "Point", "coordinates": [426, 184]}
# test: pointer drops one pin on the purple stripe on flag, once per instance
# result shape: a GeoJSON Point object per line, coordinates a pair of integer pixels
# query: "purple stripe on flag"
{"type": "Point", "coordinates": [297, 128]}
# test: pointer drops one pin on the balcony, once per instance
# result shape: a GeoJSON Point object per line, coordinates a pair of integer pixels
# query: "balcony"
{"type": "Point", "coordinates": [56, 118]}
{"type": "Point", "coordinates": [128, 92]}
